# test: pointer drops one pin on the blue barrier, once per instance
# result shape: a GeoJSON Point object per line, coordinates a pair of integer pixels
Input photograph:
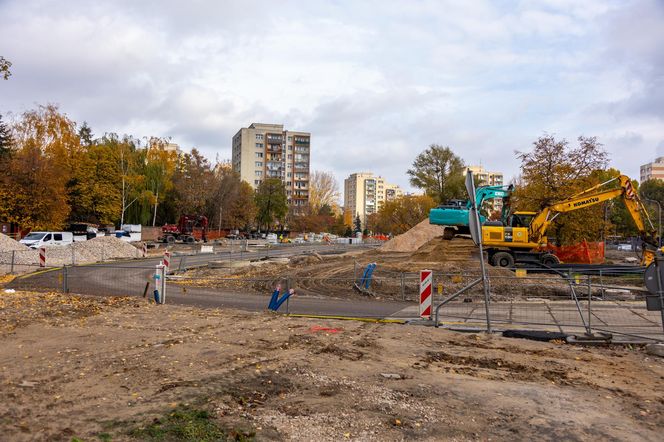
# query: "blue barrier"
{"type": "Point", "coordinates": [275, 301]}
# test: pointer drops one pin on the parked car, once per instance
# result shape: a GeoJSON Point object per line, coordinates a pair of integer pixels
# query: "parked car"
{"type": "Point", "coordinates": [625, 247]}
{"type": "Point", "coordinates": [35, 240]}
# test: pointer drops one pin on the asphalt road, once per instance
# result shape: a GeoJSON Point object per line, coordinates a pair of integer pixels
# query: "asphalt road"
{"type": "Point", "coordinates": [131, 277]}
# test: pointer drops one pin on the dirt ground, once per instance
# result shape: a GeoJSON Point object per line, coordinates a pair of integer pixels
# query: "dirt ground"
{"type": "Point", "coordinates": [78, 368]}
{"type": "Point", "coordinates": [454, 264]}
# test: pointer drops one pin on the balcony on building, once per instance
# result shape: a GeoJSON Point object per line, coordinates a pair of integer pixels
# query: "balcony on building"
{"type": "Point", "coordinates": [301, 166]}
{"type": "Point", "coordinates": [301, 141]}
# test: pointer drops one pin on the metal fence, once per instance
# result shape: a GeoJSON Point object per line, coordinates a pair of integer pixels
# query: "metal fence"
{"type": "Point", "coordinates": [569, 303]}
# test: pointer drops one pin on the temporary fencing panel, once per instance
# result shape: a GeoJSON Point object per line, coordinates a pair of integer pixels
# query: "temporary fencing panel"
{"type": "Point", "coordinates": [582, 253]}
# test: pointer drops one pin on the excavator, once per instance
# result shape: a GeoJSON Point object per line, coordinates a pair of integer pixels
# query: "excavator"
{"type": "Point", "coordinates": [454, 214]}
{"type": "Point", "coordinates": [520, 237]}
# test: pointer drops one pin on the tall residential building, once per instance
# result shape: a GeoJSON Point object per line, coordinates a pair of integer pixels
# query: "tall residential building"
{"type": "Point", "coordinates": [486, 178]}
{"type": "Point", "coordinates": [263, 151]}
{"type": "Point", "coordinates": [365, 193]}
{"type": "Point", "coordinates": [654, 170]}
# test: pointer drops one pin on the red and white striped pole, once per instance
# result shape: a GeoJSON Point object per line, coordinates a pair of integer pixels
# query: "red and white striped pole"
{"type": "Point", "coordinates": [167, 260]}
{"type": "Point", "coordinates": [42, 257]}
{"type": "Point", "coordinates": [426, 278]}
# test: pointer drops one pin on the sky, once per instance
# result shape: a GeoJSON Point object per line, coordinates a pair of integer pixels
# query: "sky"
{"type": "Point", "coordinates": [375, 82]}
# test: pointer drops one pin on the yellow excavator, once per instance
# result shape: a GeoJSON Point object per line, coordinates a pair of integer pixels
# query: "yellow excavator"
{"type": "Point", "coordinates": [522, 236]}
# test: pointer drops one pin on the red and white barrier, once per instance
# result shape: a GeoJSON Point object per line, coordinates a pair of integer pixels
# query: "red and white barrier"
{"type": "Point", "coordinates": [42, 257]}
{"type": "Point", "coordinates": [426, 278]}
{"type": "Point", "coordinates": [167, 260]}
{"type": "Point", "coordinates": [145, 250]}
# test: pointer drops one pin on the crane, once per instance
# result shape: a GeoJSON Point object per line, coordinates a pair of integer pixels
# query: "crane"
{"type": "Point", "coordinates": [523, 234]}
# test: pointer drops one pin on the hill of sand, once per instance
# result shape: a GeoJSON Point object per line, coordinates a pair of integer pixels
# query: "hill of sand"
{"type": "Point", "coordinates": [413, 239]}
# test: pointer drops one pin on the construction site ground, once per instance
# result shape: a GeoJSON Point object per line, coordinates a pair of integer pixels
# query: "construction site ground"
{"type": "Point", "coordinates": [83, 368]}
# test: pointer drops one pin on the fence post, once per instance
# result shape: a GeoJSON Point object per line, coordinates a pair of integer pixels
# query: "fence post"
{"type": "Point", "coordinates": [403, 291]}
{"type": "Point", "coordinates": [354, 271]}
{"type": "Point", "coordinates": [590, 295]}
{"type": "Point", "coordinates": [11, 271]}
{"type": "Point", "coordinates": [160, 282]}
{"type": "Point", "coordinates": [288, 284]}
{"type": "Point", "coordinates": [65, 283]}
{"type": "Point", "coordinates": [73, 254]}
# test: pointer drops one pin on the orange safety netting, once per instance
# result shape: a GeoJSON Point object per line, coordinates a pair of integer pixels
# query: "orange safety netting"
{"type": "Point", "coordinates": [582, 253]}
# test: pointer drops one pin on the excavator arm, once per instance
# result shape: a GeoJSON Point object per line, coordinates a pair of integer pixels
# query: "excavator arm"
{"type": "Point", "coordinates": [591, 197]}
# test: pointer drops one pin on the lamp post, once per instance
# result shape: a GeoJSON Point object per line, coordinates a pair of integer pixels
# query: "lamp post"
{"type": "Point", "coordinates": [659, 222]}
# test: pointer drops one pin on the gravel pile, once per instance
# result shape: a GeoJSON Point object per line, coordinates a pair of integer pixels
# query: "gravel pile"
{"type": "Point", "coordinates": [95, 250]}
{"type": "Point", "coordinates": [413, 239]}
{"type": "Point", "coordinates": [7, 244]}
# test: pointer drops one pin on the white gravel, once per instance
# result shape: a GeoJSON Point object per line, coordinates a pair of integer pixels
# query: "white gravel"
{"type": "Point", "coordinates": [99, 249]}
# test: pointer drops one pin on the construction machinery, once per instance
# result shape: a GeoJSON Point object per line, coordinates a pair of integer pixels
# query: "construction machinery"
{"type": "Point", "coordinates": [188, 229]}
{"type": "Point", "coordinates": [454, 214]}
{"type": "Point", "coordinates": [521, 236]}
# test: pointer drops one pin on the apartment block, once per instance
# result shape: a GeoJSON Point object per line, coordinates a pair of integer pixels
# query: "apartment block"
{"type": "Point", "coordinates": [485, 177]}
{"type": "Point", "coordinates": [652, 171]}
{"type": "Point", "coordinates": [263, 151]}
{"type": "Point", "coordinates": [365, 193]}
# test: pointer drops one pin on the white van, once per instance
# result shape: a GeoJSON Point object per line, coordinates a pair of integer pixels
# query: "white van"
{"type": "Point", "coordinates": [35, 240]}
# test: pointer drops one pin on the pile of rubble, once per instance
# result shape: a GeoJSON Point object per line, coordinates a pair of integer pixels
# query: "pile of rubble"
{"type": "Point", "coordinates": [103, 248]}
{"type": "Point", "coordinates": [413, 239]}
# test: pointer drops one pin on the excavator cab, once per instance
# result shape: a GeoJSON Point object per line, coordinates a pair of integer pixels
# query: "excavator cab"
{"type": "Point", "coordinates": [520, 219]}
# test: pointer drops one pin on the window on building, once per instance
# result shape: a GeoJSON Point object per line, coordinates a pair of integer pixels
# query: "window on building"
{"type": "Point", "coordinates": [289, 174]}
{"type": "Point", "coordinates": [290, 147]}
{"type": "Point", "coordinates": [290, 156]}
{"type": "Point", "coordinates": [259, 173]}
{"type": "Point", "coordinates": [259, 164]}
{"type": "Point", "coordinates": [259, 154]}
{"type": "Point", "coordinates": [257, 182]}
{"type": "Point", "coordinates": [259, 145]}
{"type": "Point", "coordinates": [290, 138]}
{"type": "Point", "coordinates": [259, 136]}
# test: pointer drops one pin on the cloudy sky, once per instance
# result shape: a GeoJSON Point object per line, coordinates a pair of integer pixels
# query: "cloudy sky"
{"type": "Point", "coordinates": [375, 82]}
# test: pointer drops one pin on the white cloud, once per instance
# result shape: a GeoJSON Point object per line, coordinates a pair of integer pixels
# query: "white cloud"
{"type": "Point", "coordinates": [375, 82]}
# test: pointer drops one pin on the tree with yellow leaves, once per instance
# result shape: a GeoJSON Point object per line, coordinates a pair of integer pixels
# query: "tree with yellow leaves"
{"type": "Point", "coordinates": [553, 171]}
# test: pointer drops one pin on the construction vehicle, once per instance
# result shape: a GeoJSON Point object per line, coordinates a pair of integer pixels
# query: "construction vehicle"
{"type": "Point", "coordinates": [454, 214]}
{"type": "Point", "coordinates": [188, 229]}
{"type": "Point", "coordinates": [520, 237]}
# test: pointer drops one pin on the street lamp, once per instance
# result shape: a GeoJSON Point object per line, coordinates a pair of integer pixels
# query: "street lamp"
{"type": "Point", "coordinates": [659, 223]}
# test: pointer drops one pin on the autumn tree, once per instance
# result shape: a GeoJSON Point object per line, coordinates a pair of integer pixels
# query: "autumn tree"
{"type": "Point", "coordinates": [36, 191]}
{"type": "Point", "coordinates": [323, 190]}
{"type": "Point", "coordinates": [271, 202]}
{"type": "Point", "coordinates": [553, 171]}
{"type": "Point", "coordinates": [652, 193]}
{"type": "Point", "coordinates": [193, 186]}
{"type": "Point", "coordinates": [401, 214]}
{"type": "Point", "coordinates": [5, 139]}
{"type": "Point", "coordinates": [4, 68]}
{"type": "Point", "coordinates": [232, 203]}
{"type": "Point", "coordinates": [439, 172]}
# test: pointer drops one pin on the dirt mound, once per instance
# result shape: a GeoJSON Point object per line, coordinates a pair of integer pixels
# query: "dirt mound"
{"type": "Point", "coordinates": [439, 249]}
{"type": "Point", "coordinates": [7, 244]}
{"type": "Point", "coordinates": [413, 239]}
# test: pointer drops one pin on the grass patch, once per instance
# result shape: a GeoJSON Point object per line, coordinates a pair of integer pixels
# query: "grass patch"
{"type": "Point", "coordinates": [187, 424]}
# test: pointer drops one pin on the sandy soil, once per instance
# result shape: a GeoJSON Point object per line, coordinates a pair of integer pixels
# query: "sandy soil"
{"type": "Point", "coordinates": [453, 263]}
{"type": "Point", "coordinates": [96, 369]}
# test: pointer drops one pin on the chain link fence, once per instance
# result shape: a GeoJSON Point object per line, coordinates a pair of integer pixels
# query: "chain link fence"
{"type": "Point", "coordinates": [568, 302]}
